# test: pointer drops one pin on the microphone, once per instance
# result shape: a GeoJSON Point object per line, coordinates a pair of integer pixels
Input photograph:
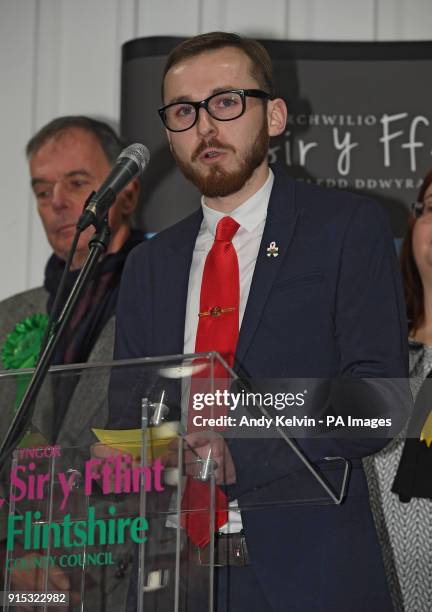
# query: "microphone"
{"type": "Point", "coordinates": [131, 162]}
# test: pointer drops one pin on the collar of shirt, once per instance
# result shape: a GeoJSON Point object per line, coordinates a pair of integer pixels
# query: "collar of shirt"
{"type": "Point", "coordinates": [248, 215]}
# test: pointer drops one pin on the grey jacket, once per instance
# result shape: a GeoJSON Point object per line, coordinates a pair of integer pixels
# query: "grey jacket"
{"type": "Point", "coordinates": [87, 408]}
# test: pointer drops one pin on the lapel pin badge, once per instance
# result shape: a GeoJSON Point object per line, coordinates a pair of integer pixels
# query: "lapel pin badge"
{"type": "Point", "coordinates": [272, 250]}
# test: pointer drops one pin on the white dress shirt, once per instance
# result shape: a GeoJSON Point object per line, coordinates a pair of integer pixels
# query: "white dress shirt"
{"type": "Point", "coordinates": [251, 216]}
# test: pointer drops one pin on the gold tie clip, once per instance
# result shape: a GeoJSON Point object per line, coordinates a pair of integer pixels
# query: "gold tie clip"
{"type": "Point", "coordinates": [216, 311]}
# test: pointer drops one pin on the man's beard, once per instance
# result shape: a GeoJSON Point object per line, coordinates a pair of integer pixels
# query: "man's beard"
{"type": "Point", "coordinates": [217, 182]}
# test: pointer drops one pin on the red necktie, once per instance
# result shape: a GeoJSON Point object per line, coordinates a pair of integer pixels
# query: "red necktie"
{"type": "Point", "coordinates": [218, 329]}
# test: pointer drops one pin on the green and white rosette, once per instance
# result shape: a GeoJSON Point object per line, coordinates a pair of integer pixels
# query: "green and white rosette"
{"type": "Point", "coordinates": [22, 347]}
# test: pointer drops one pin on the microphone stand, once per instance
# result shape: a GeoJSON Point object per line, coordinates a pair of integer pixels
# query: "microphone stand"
{"type": "Point", "coordinates": [98, 245]}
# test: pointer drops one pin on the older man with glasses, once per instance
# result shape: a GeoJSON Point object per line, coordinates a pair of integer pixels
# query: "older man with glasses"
{"type": "Point", "coordinates": [69, 157]}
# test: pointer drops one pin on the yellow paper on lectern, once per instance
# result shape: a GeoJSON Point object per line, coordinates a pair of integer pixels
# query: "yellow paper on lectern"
{"type": "Point", "coordinates": [129, 440]}
{"type": "Point", "coordinates": [426, 432]}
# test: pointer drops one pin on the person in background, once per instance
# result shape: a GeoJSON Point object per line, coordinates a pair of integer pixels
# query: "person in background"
{"type": "Point", "coordinates": [400, 476]}
{"type": "Point", "coordinates": [68, 159]}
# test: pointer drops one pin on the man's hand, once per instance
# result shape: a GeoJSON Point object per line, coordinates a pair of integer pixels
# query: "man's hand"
{"type": "Point", "coordinates": [34, 579]}
{"type": "Point", "coordinates": [199, 449]}
{"type": "Point", "coordinates": [104, 453]}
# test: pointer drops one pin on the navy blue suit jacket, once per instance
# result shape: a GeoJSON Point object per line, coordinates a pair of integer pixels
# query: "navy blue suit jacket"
{"type": "Point", "coordinates": [329, 305]}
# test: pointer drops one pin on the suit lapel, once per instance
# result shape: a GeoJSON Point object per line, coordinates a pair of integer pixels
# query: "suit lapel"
{"type": "Point", "coordinates": [170, 295]}
{"type": "Point", "coordinates": [279, 228]}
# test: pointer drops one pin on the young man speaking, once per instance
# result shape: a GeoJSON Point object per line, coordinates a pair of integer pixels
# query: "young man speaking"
{"type": "Point", "coordinates": [327, 305]}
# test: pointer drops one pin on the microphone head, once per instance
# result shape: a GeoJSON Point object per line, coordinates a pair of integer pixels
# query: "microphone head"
{"type": "Point", "coordinates": [138, 153]}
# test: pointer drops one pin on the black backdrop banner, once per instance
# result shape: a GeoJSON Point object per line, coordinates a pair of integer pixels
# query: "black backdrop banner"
{"type": "Point", "coordinates": [360, 118]}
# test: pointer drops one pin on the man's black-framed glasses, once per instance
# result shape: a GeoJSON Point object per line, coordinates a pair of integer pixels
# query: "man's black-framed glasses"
{"type": "Point", "coordinates": [223, 106]}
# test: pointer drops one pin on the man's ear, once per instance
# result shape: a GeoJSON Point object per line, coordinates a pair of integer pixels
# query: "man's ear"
{"type": "Point", "coordinates": [129, 197]}
{"type": "Point", "coordinates": [277, 114]}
